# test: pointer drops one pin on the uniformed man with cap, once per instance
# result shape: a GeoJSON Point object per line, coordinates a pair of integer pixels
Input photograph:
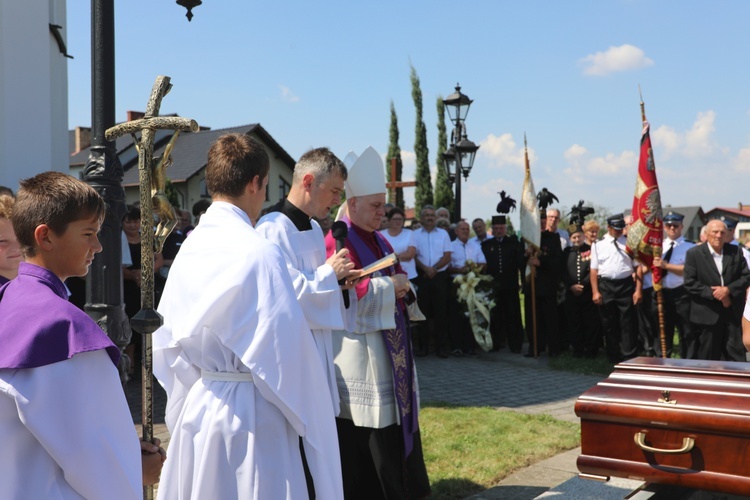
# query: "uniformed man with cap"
{"type": "Point", "coordinates": [504, 259]}
{"type": "Point", "coordinates": [676, 300]}
{"type": "Point", "coordinates": [614, 289]}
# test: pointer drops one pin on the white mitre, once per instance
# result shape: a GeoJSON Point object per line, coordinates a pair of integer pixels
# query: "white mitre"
{"type": "Point", "coordinates": [366, 176]}
{"type": "Point", "coordinates": [349, 159]}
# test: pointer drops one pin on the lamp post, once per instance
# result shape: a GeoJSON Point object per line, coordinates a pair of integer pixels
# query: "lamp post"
{"type": "Point", "coordinates": [459, 158]}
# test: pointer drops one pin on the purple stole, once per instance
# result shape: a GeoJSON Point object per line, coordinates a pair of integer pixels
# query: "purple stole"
{"type": "Point", "coordinates": [38, 326]}
{"type": "Point", "coordinates": [398, 342]}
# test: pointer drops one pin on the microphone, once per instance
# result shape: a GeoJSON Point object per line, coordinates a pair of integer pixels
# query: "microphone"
{"type": "Point", "coordinates": [339, 230]}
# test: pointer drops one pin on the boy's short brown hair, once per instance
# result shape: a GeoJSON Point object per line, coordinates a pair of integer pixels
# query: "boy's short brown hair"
{"type": "Point", "coordinates": [233, 161]}
{"type": "Point", "coordinates": [54, 199]}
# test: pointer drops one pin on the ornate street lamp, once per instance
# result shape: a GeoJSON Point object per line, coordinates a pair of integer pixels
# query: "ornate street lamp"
{"type": "Point", "coordinates": [449, 164]}
{"type": "Point", "coordinates": [459, 158]}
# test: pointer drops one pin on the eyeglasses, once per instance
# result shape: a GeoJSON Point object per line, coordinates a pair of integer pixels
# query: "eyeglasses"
{"type": "Point", "coordinates": [670, 224]}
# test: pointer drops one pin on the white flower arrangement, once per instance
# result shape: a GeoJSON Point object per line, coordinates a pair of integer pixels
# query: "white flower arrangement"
{"type": "Point", "coordinates": [475, 292]}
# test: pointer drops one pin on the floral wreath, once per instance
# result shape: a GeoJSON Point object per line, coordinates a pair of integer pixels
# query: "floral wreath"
{"type": "Point", "coordinates": [475, 292]}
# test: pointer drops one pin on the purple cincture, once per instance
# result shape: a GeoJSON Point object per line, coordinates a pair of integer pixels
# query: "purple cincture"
{"type": "Point", "coordinates": [38, 326]}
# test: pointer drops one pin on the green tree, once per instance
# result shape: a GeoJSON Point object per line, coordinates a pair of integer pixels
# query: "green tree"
{"type": "Point", "coordinates": [423, 193]}
{"type": "Point", "coordinates": [394, 151]}
{"type": "Point", "coordinates": [443, 188]}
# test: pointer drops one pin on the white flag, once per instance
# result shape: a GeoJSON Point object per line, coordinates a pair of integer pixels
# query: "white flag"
{"type": "Point", "coordinates": [531, 229]}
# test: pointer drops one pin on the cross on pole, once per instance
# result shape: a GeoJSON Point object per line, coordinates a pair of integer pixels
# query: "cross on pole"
{"type": "Point", "coordinates": [152, 180]}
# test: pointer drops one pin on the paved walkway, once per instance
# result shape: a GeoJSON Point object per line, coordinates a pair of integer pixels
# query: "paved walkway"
{"type": "Point", "coordinates": [501, 380]}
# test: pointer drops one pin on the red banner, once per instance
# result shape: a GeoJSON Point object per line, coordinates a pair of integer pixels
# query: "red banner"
{"type": "Point", "coordinates": [645, 233]}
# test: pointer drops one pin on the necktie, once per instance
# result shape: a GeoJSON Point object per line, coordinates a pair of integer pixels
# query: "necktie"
{"type": "Point", "coordinates": [617, 247]}
{"type": "Point", "coordinates": [668, 255]}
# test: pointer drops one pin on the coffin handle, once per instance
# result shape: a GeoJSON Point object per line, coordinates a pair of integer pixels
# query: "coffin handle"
{"type": "Point", "coordinates": [687, 445]}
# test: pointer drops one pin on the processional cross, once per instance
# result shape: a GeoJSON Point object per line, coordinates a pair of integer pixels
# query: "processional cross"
{"type": "Point", "coordinates": [153, 200]}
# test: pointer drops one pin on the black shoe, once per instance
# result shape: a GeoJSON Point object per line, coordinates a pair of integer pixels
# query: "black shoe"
{"type": "Point", "coordinates": [442, 354]}
{"type": "Point", "coordinates": [457, 353]}
{"type": "Point", "coordinates": [528, 355]}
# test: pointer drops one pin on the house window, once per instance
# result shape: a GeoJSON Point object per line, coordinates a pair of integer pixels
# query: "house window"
{"type": "Point", "coordinates": [284, 188]}
{"type": "Point", "coordinates": [203, 190]}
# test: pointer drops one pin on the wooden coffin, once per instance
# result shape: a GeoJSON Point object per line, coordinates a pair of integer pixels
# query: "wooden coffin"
{"type": "Point", "coordinates": [679, 422]}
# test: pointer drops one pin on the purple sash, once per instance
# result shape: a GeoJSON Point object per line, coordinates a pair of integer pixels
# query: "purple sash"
{"type": "Point", "coordinates": [398, 342]}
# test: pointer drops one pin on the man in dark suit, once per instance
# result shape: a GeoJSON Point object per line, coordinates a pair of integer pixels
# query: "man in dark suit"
{"type": "Point", "coordinates": [547, 261]}
{"type": "Point", "coordinates": [716, 277]}
{"type": "Point", "coordinates": [503, 255]}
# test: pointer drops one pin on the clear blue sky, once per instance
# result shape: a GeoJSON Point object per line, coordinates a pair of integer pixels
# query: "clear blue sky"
{"type": "Point", "coordinates": [565, 73]}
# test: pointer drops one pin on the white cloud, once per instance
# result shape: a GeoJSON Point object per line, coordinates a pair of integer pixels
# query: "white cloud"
{"type": "Point", "coordinates": [696, 142]}
{"type": "Point", "coordinates": [615, 59]}
{"type": "Point", "coordinates": [583, 169]}
{"type": "Point", "coordinates": [287, 95]}
{"type": "Point", "coordinates": [574, 152]}
{"type": "Point", "coordinates": [501, 150]}
{"type": "Point", "coordinates": [742, 161]}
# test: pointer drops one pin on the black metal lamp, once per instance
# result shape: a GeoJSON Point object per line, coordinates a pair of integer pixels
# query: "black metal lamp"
{"type": "Point", "coordinates": [458, 105]}
{"type": "Point", "coordinates": [449, 164]}
{"type": "Point", "coordinates": [468, 151]}
{"type": "Point", "coordinates": [189, 5]}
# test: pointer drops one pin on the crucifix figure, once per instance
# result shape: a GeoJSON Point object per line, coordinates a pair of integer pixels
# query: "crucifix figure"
{"type": "Point", "coordinates": [152, 180]}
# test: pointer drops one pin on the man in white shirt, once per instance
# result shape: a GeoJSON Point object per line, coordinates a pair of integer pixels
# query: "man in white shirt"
{"type": "Point", "coordinates": [676, 300]}
{"type": "Point", "coordinates": [553, 219]}
{"type": "Point", "coordinates": [433, 284]}
{"type": "Point", "coordinates": [614, 289]}
{"type": "Point", "coordinates": [463, 250]}
{"type": "Point", "coordinates": [480, 230]}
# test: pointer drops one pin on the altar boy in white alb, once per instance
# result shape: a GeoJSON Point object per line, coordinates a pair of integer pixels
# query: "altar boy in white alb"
{"type": "Point", "coordinates": [317, 185]}
{"type": "Point", "coordinates": [236, 356]}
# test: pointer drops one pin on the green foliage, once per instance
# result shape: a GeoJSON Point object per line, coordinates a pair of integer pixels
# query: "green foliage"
{"type": "Point", "coordinates": [394, 151]}
{"type": "Point", "coordinates": [172, 194]}
{"type": "Point", "coordinates": [468, 450]}
{"type": "Point", "coordinates": [423, 194]}
{"type": "Point", "coordinates": [443, 188]}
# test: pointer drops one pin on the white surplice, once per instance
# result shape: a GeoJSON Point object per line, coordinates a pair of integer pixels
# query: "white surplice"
{"type": "Point", "coordinates": [66, 432]}
{"type": "Point", "coordinates": [364, 371]}
{"type": "Point", "coordinates": [315, 284]}
{"type": "Point", "coordinates": [241, 372]}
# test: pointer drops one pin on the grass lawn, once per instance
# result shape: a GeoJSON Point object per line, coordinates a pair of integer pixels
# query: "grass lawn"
{"type": "Point", "coordinates": [470, 449]}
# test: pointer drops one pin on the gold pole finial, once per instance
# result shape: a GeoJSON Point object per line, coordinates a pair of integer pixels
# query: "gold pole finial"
{"type": "Point", "coordinates": [643, 108]}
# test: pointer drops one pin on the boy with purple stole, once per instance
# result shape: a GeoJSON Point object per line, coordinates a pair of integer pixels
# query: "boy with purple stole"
{"type": "Point", "coordinates": [64, 423]}
{"type": "Point", "coordinates": [378, 427]}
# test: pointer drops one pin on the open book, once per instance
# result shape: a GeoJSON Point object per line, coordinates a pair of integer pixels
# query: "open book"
{"type": "Point", "coordinates": [388, 260]}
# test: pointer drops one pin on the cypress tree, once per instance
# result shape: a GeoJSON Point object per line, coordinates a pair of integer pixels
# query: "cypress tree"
{"type": "Point", "coordinates": [443, 188]}
{"type": "Point", "coordinates": [394, 151]}
{"type": "Point", "coordinates": [423, 194]}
